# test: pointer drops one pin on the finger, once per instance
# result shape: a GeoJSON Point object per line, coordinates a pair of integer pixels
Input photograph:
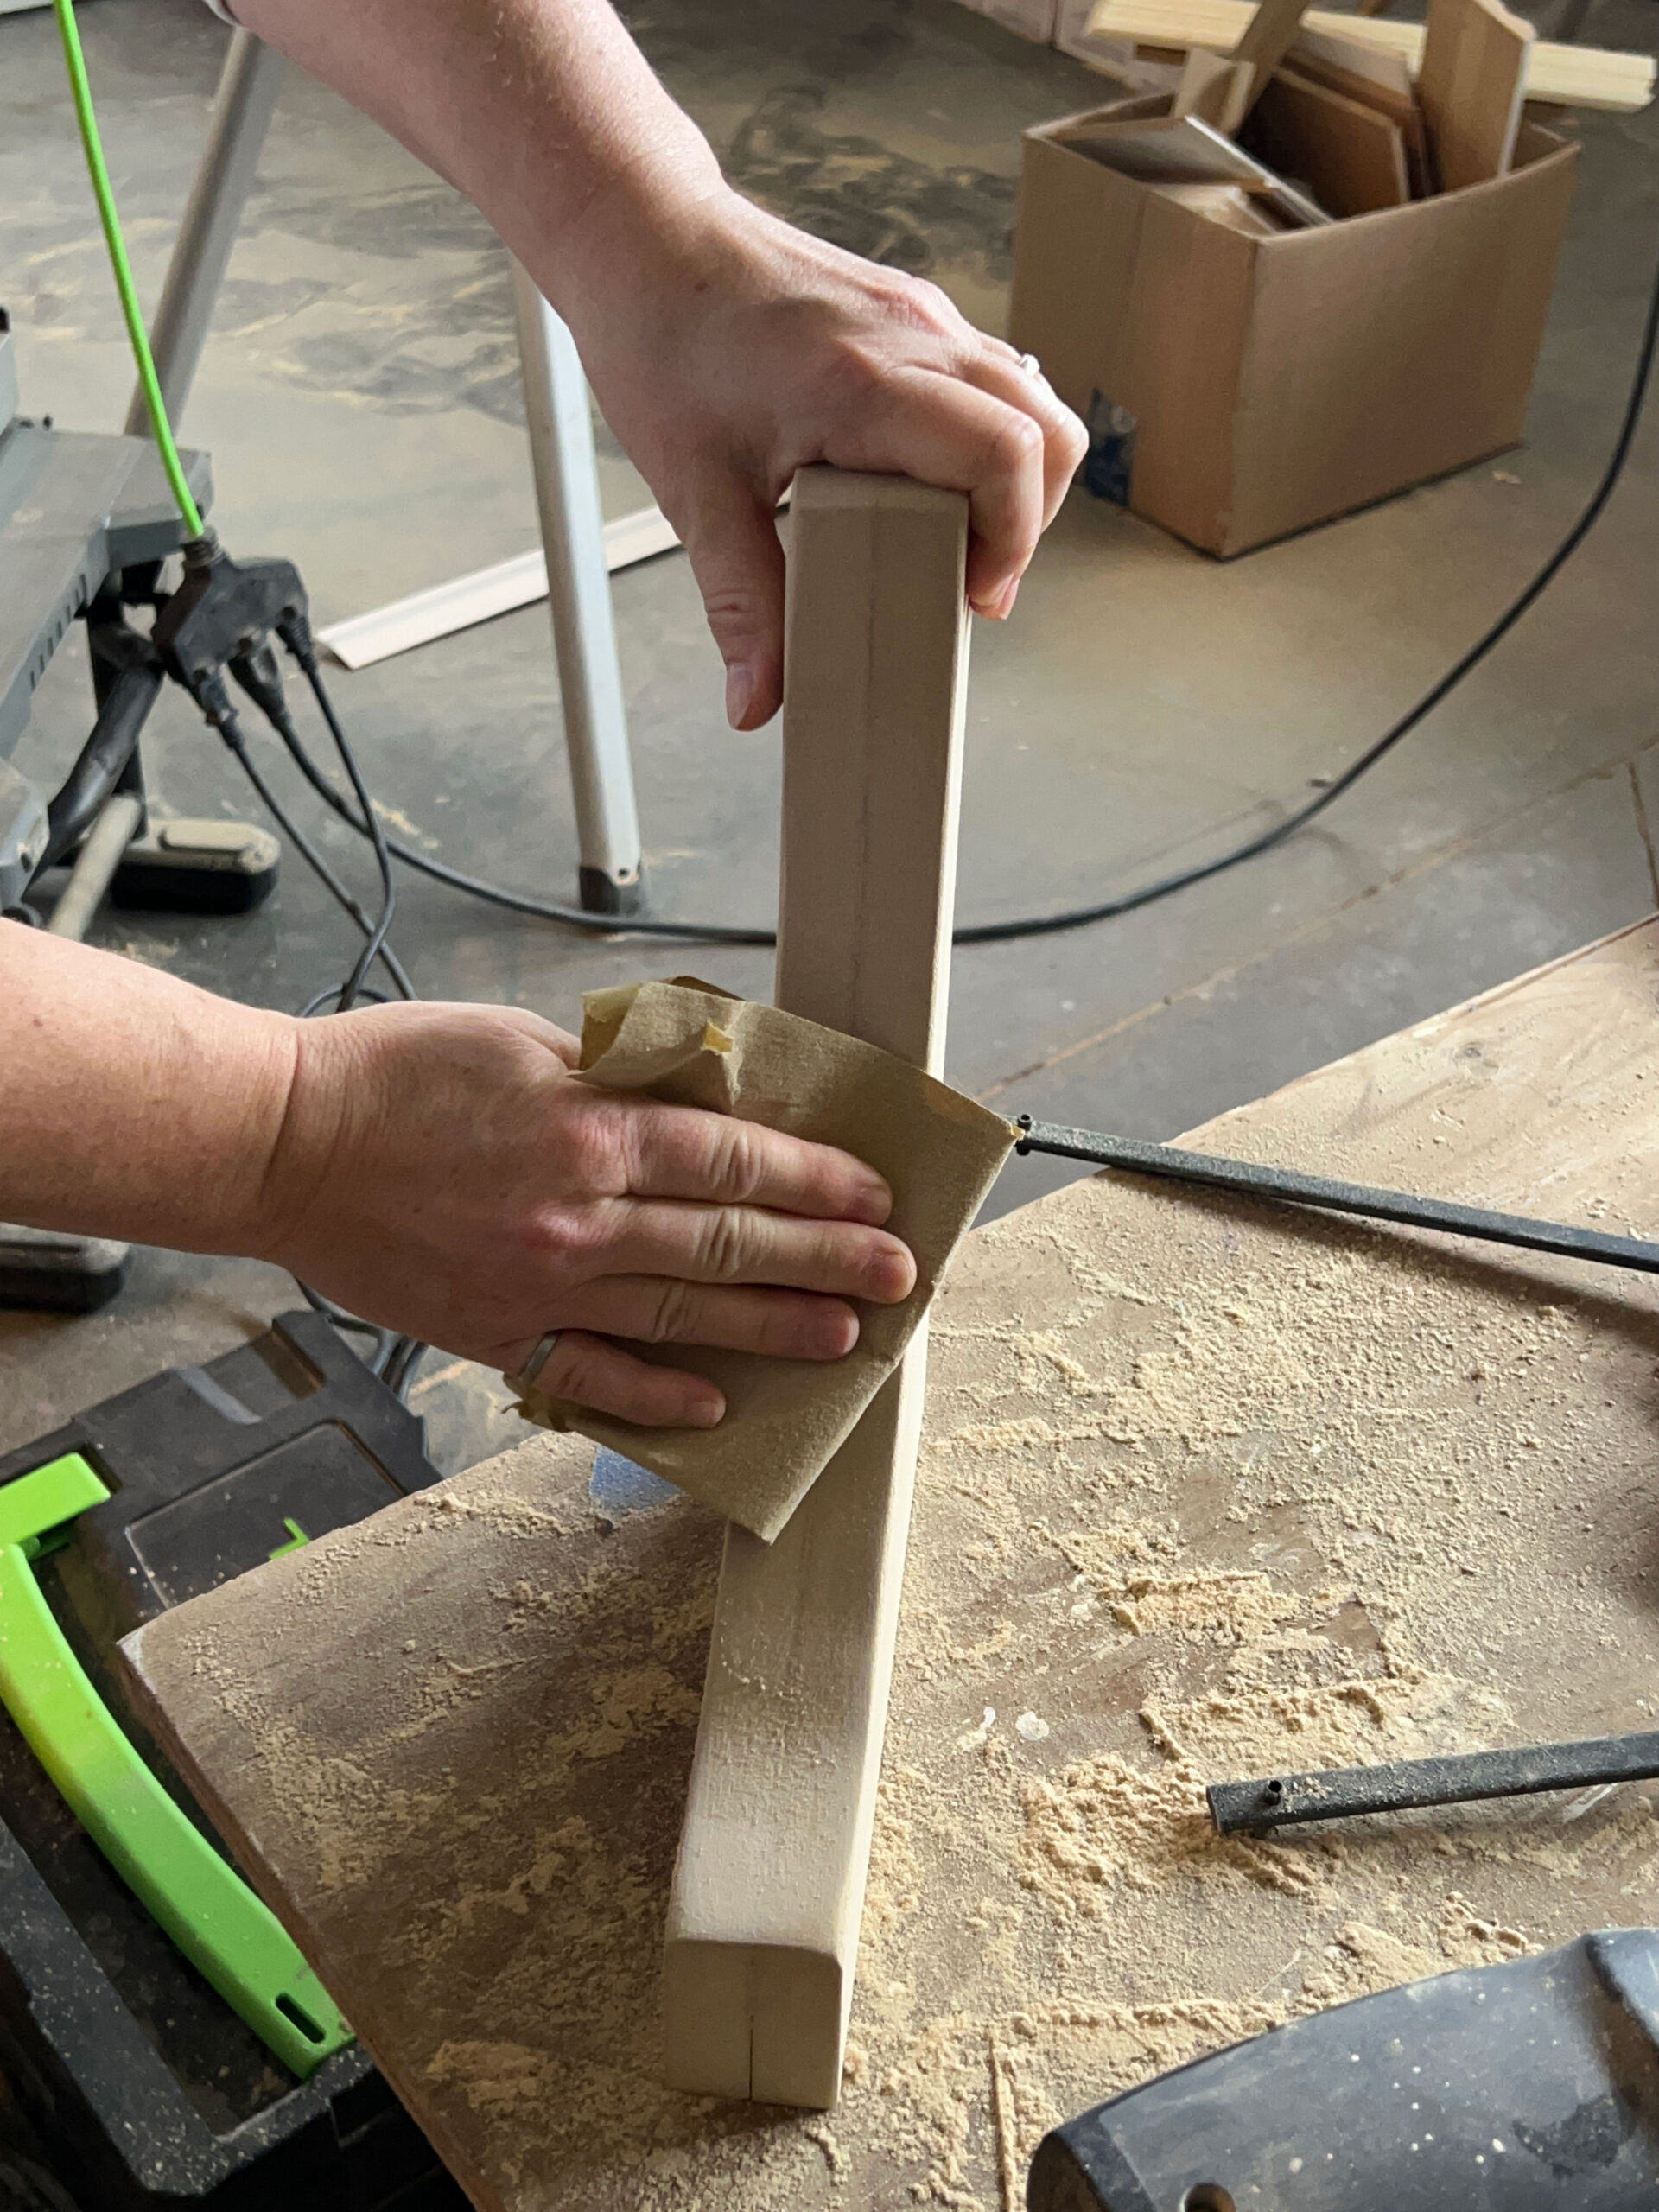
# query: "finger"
{"type": "Point", "coordinates": [731, 541]}
{"type": "Point", "coordinates": [1006, 374]}
{"type": "Point", "coordinates": [1000, 347]}
{"type": "Point", "coordinates": [590, 1372]}
{"type": "Point", "coordinates": [680, 1152]}
{"type": "Point", "coordinates": [924, 423]}
{"type": "Point", "coordinates": [747, 1244]}
{"type": "Point", "coordinates": [664, 1310]}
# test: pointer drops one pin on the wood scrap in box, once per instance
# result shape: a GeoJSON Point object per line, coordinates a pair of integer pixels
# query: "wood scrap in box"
{"type": "Point", "coordinates": [1346, 153]}
{"type": "Point", "coordinates": [1571, 76]}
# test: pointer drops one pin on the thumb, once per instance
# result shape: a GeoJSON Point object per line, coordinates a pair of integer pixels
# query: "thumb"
{"type": "Point", "coordinates": [732, 543]}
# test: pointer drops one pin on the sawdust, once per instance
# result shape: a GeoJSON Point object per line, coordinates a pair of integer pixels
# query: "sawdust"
{"type": "Point", "coordinates": [1103, 1827]}
{"type": "Point", "coordinates": [1204, 1493]}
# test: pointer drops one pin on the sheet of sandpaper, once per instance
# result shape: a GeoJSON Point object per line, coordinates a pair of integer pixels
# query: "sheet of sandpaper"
{"type": "Point", "coordinates": [688, 1044]}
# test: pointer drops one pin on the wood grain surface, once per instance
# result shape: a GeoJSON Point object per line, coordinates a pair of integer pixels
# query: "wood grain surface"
{"type": "Point", "coordinates": [763, 1921]}
{"type": "Point", "coordinates": [1206, 1489]}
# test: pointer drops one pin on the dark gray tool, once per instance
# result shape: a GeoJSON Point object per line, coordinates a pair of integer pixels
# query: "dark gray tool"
{"type": "Point", "coordinates": [1288, 1186]}
{"type": "Point", "coordinates": [75, 508]}
{"type": "Point", "coordinates": [1287, 1799]}
{"type": "Point", "coordinates": [1528, 2087]}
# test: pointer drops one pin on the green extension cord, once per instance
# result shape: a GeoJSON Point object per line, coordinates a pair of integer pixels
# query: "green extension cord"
{"type": "Point", "coordinates": [104, 195]}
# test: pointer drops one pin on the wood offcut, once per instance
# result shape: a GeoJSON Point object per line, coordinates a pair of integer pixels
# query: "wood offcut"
{"type": "Point", "coordinates": [1566, 76]}
{"type": "Point", "coordinates": [1472, 84]}
{"type": "Point", "coordinates": [1348, 153]}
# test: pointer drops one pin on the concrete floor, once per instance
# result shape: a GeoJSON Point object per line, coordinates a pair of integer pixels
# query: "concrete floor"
{"type": "Point", "coordinates": [1146, 706]}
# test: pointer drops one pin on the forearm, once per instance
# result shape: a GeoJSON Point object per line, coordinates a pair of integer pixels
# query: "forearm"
{"type": "Point", "coordinates": [726, 350]}
{"type": "Point", "coordinates": [132, 1104]}
{"type": "Point", "coordinates": [543, 112]}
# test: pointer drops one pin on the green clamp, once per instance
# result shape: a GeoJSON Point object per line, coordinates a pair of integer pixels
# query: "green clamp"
{"type": "Point", "coordinates": [226, 1932]}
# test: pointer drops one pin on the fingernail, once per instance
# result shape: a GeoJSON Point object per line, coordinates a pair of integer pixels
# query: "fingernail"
{"type": "Point", "coordinates": [740, 689]}
{"type": "Point", "coordinates": [870, 1203]}
{"type": "Point", "coordinates": [891, 1276]}
{"type": "Point", "coordinates": [996, 609]}
{"type": "Point", "coordinates": [707, 1412]}
{"type": "Point", "coordinates": [835, 1332]}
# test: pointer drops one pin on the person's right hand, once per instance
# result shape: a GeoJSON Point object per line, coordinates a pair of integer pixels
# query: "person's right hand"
{"type": "Point", "coordinates": [439, 1172]}
{"type": "Point", "coordinates": [728, 350]}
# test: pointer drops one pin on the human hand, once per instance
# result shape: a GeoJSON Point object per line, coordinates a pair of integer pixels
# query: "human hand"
{"type": "Point", "coordinates": [743, 350]}
{"type": "Point", "coordinates": [439, 1171]}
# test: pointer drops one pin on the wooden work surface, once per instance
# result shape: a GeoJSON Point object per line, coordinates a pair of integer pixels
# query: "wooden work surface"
{"type": "Point", "coordinates": [1207, 1490]}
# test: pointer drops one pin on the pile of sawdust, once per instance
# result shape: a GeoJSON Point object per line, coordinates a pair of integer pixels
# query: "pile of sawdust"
{"type": "Point", "coordinates": [1204, 1493]}
{"type": "Point", "coordinates": [1146, 1571]}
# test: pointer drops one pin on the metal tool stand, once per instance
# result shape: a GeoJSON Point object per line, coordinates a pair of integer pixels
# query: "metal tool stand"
{"type": "Point", "coordinates": [243, 106]}
{"type": "Point", "coordinates": [610, 879]}
{"type": "Point", "coordinates": [579, 597]}
{"type": "Point", "coordinates": [75, 508]}
{"type": "Point", "coordinates": [562, 453]}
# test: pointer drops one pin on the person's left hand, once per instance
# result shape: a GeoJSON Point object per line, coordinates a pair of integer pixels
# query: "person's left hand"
{"type": "Point", "coordinates": [440, 1170]}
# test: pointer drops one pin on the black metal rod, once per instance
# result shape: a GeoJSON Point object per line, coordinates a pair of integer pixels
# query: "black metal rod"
{"type": "Point", "coordinates": [104, 759]}
{"type": "Point", "coordinates": [1288, 1187]}
{"type": "Point", "coordinates": [1287, 1800]}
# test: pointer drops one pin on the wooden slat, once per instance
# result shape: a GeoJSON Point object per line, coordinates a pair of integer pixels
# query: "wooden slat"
{"type": "Point", "coordinates": [1351, 158]}
{"type": "Point", "coordinates": [1267, 37]}
{"type": "Point", "coordinates": [1386, 76]}
{"type": "Point", "coordinates": [1214, 89]}
{"type": "Point", "coordinates": [1570, 76]}
{"type": "Point", "coordinates": [1472, 84]}
{"type": "Point", "coordinates": [763, 1925]}
{"type": "Point", "coordinates": [1375, 79]}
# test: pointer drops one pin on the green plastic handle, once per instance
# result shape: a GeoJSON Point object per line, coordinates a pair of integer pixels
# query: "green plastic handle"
{"type": "Point", "coordinates": [227, 1933]}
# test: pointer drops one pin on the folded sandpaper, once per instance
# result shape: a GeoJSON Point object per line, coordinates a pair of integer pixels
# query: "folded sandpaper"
{"type": "Point", "coordinates": [691, 1045]}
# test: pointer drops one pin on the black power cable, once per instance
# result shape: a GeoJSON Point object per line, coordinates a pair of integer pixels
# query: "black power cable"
{"type": "Point", "coordinates": [314, 859]}
{"type": "Point", "coordinates": [1076, 917]}
{"type": "Point", "coordinates": [519, 902]}
{"type": "Point", "coordinates": [299, 644]}
{"type": "Point", "coordinates": [1070, 918]}
{"type": "Point", "coordinates": [392, 1357]}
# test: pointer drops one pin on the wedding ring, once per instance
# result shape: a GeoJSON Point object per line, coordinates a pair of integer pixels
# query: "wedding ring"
{"type": "Point", "coordinates": [537, 1360]}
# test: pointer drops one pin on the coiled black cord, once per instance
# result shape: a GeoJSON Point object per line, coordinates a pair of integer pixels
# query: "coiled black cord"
{"type": "Point", "coordinates": [1069, 917]}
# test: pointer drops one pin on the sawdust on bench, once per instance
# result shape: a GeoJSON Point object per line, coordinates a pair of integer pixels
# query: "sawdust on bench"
{"type": "Point", "coordinates": [1331, 1517]}
{"type": "Point", "coordinates": [1255, 1498]}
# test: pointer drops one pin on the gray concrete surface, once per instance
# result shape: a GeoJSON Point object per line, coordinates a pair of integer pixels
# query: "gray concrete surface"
{"type": "Point", "coordinates": [1146, 706]}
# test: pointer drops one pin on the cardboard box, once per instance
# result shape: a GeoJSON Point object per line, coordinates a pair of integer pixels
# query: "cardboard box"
{"type": "Point", "coordinates": [1240, 388]}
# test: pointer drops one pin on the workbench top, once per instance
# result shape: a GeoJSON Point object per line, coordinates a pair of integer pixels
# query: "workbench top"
{"type": "Point", "coordinates": [1208, 1490]}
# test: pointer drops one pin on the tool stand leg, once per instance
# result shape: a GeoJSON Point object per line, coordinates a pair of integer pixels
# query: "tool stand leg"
{"type": "Point", "coordinates": [248, 87]}
{"type": "Point", "coordinates": [579, 595]}
{"type": "Point", "coordinates": [95, 866]}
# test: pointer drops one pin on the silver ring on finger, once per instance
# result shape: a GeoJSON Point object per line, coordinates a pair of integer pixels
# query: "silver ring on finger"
{"type": "Point", "coordinates": [1032, 366]}
{"type": "Point", "coordinates": [538, 1358]}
